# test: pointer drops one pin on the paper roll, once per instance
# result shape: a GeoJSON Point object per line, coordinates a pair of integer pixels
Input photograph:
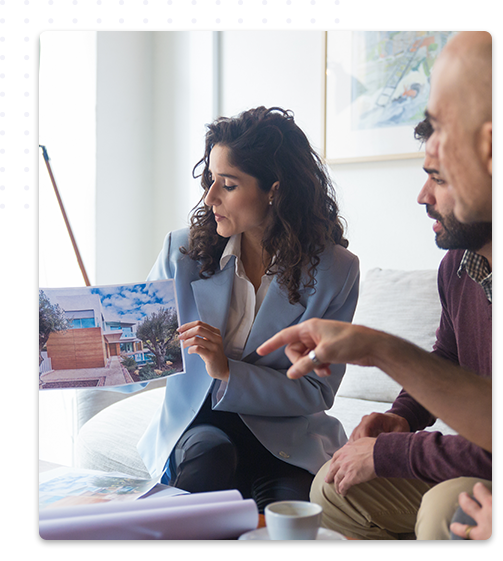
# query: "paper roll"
{"type": "Point", "coordinates": [193, 517]}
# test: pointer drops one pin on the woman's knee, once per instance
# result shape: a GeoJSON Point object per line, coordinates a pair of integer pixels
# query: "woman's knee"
{"type": "Point", "coordinates": [204, 459]}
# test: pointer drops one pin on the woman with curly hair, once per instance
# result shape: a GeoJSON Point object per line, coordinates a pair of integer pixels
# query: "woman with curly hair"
{"type": "Point", "coordinates": [265, 250]}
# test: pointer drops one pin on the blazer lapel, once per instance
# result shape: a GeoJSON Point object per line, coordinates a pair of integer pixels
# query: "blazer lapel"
{"type": "Point", "coordinates": [275, 314]}
{"type": "Point", "coordinates": [213, 296]}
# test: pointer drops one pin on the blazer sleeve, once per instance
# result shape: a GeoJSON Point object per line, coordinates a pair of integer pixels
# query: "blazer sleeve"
{"type": "Point", "coordinates": [161, 268]}
{"type": "Point", "coordinates": [254, 388]}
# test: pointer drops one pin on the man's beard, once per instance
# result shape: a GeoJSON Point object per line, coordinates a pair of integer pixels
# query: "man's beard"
{"type": "Point", "coordinates": [457, 235]}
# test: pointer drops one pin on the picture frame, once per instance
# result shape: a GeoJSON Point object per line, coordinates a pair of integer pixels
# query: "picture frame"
{"type": "Point", "coordinates": [377, 85]}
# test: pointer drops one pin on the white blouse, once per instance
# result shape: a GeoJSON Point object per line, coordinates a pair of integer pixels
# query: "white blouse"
{"type": "Point", "coordinates": [244, 304]}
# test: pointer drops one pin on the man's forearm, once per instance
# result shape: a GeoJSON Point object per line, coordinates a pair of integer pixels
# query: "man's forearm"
{"type": "Point", "coordinates": [460, 398]}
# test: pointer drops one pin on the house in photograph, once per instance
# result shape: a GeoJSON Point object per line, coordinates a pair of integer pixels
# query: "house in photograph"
{"type": "Point", "coordinates": [92, 339]}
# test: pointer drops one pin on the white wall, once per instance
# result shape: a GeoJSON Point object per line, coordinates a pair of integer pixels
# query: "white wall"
{"type": "Point", "coordinates": [386, 226]}
{"type": "Point", "coordinates": [275, 68]}
{"type": "Point", "coordinates": [67, 128]}
{"type": "Point", "coordinates": [124, 145]}
{"type": "Point", "coordinates": [184, 103]}
{"type": "Point", "coordinates": [154, 96]}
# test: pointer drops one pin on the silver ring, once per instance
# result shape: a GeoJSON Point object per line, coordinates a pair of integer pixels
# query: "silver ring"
{"type": "Point", "coordinates": [314, 358]}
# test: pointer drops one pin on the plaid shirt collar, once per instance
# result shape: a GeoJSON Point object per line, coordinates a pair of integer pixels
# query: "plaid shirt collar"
{"type": "Point", "coordinates": [477, 268]}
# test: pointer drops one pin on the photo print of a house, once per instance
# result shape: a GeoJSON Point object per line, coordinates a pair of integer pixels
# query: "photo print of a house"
{"type": "Point", "coordinates": [108, 335]}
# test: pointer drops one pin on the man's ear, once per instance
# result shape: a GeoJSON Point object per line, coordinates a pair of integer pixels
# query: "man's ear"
{"type": "Point", "coordinates": [486, 146]}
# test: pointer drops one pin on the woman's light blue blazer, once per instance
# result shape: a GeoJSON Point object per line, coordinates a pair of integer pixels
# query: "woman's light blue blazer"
{"type": "Point", "coordinates": [287, 416]}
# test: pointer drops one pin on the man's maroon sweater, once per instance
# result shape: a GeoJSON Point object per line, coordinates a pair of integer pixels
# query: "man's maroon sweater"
{"type": "Point", "coordinates": [465, 338]}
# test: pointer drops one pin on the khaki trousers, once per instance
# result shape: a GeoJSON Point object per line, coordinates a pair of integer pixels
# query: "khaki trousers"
{"type": "Point", "coordinates": [391, 509]}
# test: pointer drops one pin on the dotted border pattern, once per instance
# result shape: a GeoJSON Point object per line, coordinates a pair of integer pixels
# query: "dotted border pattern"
{"type": "Point", "coordinates": [187, 13]}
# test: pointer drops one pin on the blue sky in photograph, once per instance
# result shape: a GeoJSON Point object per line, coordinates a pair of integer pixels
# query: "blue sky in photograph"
{"type": "Point", "coordinates": [132, 302]}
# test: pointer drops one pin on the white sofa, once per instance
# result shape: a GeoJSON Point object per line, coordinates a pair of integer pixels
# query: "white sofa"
{"type": "Point", "coordinates": [404, 303]}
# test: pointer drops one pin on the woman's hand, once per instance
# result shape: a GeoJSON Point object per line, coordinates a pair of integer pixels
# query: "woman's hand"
{"type": "Point", "coordinates": [204, 340]}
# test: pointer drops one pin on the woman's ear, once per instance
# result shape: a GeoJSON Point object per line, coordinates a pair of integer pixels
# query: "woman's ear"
{"type": "Point", "coordinates": [274, 188]}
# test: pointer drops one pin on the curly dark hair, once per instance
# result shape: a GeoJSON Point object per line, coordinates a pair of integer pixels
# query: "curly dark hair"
{"type": "Point", "coordinates": [268, 145]}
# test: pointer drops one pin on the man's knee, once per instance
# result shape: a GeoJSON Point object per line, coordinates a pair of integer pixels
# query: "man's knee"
{"type": "Point", "coordinates": [379, 509]}
{"type": "Point", "coordinates": [439, 505]}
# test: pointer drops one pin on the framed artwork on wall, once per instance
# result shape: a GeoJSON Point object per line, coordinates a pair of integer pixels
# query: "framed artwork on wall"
{"type": "Point", "coordinates": [377, 88]}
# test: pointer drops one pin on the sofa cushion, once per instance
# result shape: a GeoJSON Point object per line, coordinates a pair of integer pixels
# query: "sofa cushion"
{"type": "Point", "coordinates": [404, 303]}
{"type": "Point", "coordinates": [89, 402]}
{"type": "Point", "coordinates": [107, 442]}
{"type": "Point", "coordinates": [350, 412]}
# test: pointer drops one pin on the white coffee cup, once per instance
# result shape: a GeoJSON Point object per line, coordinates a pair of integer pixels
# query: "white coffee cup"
{"type": "Point", "coordinates": [293, 520]}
